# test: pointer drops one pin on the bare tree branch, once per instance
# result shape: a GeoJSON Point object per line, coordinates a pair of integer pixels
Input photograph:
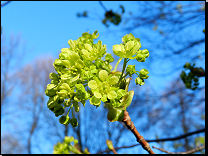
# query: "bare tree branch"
{"type": "Point", "coordinates": [127, 121]}
{"type": "Point", "coordinates": [159, 140]}
{"type": "Point", "coordinates": [187, 152]}
{"type": "Point", "coordinates": [189, 46]}
{"type": "Point", "coordinates": [103, 6]}
{"type": "Point", "coordinates": [5, 3]}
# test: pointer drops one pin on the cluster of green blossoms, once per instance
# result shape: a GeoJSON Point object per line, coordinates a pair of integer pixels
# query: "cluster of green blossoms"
{"type": "Point", "coordinates": [84, 73]}
{"type": "Point", "coordinates": [191, 80]}
{"type": "Point", "coordinates": [68, 147]}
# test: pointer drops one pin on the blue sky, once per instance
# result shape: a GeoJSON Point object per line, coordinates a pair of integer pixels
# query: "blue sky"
{"type": "Point", "coordinates": [46, 26]}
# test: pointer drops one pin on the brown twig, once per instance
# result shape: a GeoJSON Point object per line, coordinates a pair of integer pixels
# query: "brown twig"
{"type": "Point", "coordinates": [114, 151]}
{"type": "Point", "coordinates": [187, 152]}
{"type": "Point", "coordinates": [127, 121]}
{"type": "Point", "coordinates": [159, 140]}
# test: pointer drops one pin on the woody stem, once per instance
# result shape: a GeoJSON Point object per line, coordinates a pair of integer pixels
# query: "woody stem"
{"type": "Point", "coordinates": [127, 121]}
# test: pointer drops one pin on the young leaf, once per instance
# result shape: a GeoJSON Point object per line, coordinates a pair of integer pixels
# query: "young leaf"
{"type": "Point", "coordinates": [112, 95]}
{"type": "Point", "coordinates": [120, 93]}
{"type": "Point", "coordinates": [103, 74]}
{"type": "Point", "coordinates": [95, 101]}
{"type": "Point", "coordinates": [64, 120]}
{"type": "Point", "coordinates": [97, 95]}
{"type": "Point", "coordinates": [130, 70]}
{"type": "Point", "coordinates": [92, 84]}
{"type": "Point", "coordinates": [143, 74]}
{"type": "Point", "coordinates": [115, 114]}
{"type": "Point", "coordinates": [129, 45]}
{"type": "Point", "coordinates": [113, 80]}
{"type": "Point", "coordinates": [139, 81]}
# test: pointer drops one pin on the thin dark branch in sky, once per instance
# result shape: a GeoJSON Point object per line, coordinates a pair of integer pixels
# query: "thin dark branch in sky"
{"type": "Point", "coordinates": [102, 5]}
{"type": "Point", "coordinates": [178, 137]}
{"type": "Point", "coordinates": [187, 152]}
{"type": "Point", "coordinates": [191, 45]}
{"type": "Point", "coordinates": [5, 3]}
{"type": "Point", "coordinates": [159, 140]}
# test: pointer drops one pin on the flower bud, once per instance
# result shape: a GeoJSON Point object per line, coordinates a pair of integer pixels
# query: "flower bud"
{"type": "Point", "coordinates": [115, 114]}
{"type": "Point", "coordinates": [74, 122]}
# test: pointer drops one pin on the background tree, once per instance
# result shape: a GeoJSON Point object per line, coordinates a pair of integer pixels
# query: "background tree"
{"type": "Point", "coordinates": [176, 37]}
{"type": "Point", "coordinates": [169, 22]}
{"type": "Point", "coordinates": [9, 63]}
{"type": "Point", "coordinates": [33, 78]}
{"type": "Point", "coordinates": [8, 66]}
{"type": "Point", "coordinates": [11, 144]}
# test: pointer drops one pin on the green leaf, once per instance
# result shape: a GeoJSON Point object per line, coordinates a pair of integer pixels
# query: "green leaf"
{"type": "Point", "coordinates": [97, 95]}
{"type": "Point", "coordinates": [66, 63]}
{"type": "Point", "coordinates": [67, 103]}
{"type": "Point", "coordinates": [68, 139]}
{"type": "Point", "coordinates": [95, 101]}
{"type": "Point", "coordinates": [51, 86]}
{"type": "Point", "coordinates": [65, 86]}
{"type": "Point", "coordinates": [58, 62]}
{"type": "Point", "coordinates": [104, 98]}
{"type": "Point", "coordinates": [88, 47]}
{"type": "Point", "coordinates": [85, 53]}
{"type": "Point", "coordinates": [74, 122]}
{"type": "Point", "coordinates": [86, 35]}
{"type": "Point", "coordinates": [80, 87]}
{"type": "Point", "coordinates": [65, 77]}
{"type": "Point", "coordinates": [93, 69]}
{"type": "Point", "coordinates": [187, 65]}
{"type": "Point", "coordinates": [62, 92]}
{"type": "Point", "coordinates": [112, 95]}
{"type": "Point", "coordinates": [143, 74]}
{"type": "Point", "coordinates": [140, 57]}
{"type": "Point", "coordinates": [120, 93]}
{"type": "Point", "coordinates": [76, 106]}
{"type": "Point", "coordinates": [58, 110]}
{"type": "Point", "coordinates": [139, 81]}
{"type": "Point", "coordinates": [71, 44]}
{"type": "Point", "coordinates": [113, 80]}
{"type": "Point", "coordinates": [127, 99]}
{"type": "Point", "coordinates": [74, 78]}
{"type": "Point", "coordinates": [145, 52]}
{"type": "Point", "coordinates": [115, 114]}
{"type": "Point", "coordinates": [94, 36]}
{"type": "Point", "coordinates": [129, 45]}
{"type": "Point", "coordinates": [137, 46]}
{"type": "Point", "coordinates": [53, 76]}
{"type": "Point", "coordinates": [199, 141]}
{"type": "Point", "coordinates": [119, 50]}
{"type": "Point", "coordinates": [109, 57]}
{"type": "Point", "coordinates": [130, 70]}
{"type": "Point", "coordinates": [50, 91]}
{"type": "Point", "coordinates": [92, 84]}
{"type": "Point", "coordinates": [51, 102]}
{"type": "Point", "coordinates": [74, 56]}
{"type": "Point", "coordinates": [109, 144]}
{"type": "Point", "coordinates": [64, 50]}
{"type": "Point", "coordinates": [103, 74]}
{"type": "Point", "coordinates": [64, 120]}
{"type": "Point", "coordinates": [128, 37]}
